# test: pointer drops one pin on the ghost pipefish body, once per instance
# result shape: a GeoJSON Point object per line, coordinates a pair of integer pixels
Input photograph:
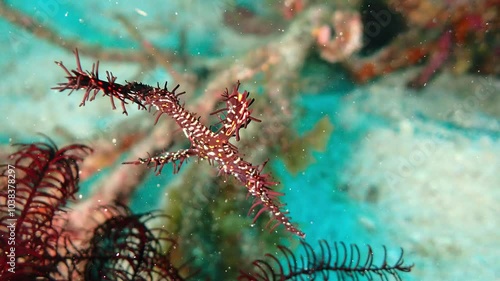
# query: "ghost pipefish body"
{"type": "Point", "coordinates": [206, 144]}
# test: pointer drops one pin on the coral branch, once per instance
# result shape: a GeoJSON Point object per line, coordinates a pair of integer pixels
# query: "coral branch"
{"type": "Point", "coordinates": [43, 32]}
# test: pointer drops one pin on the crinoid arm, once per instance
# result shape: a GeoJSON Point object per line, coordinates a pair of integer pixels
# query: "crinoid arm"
{"type": "Point", "coordinates": [176, 158]}
{"type": "Point", "coordinates": [237, 114]}
{"type": "Point", "coordinates": [42, 178]}
{"type": "Point", "coordinates": [345, 262]}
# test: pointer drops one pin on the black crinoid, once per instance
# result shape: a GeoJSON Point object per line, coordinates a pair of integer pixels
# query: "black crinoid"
{"type": "Point", "coordinates": [126, 247]}
{"type": "Point", "coordinates": [35, 186]}
{"type": "Point", "coordinates": [337, 262]}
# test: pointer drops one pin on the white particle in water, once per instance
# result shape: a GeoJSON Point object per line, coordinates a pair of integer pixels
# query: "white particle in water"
{"type": "Point", "coordinates": [141, 12]}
